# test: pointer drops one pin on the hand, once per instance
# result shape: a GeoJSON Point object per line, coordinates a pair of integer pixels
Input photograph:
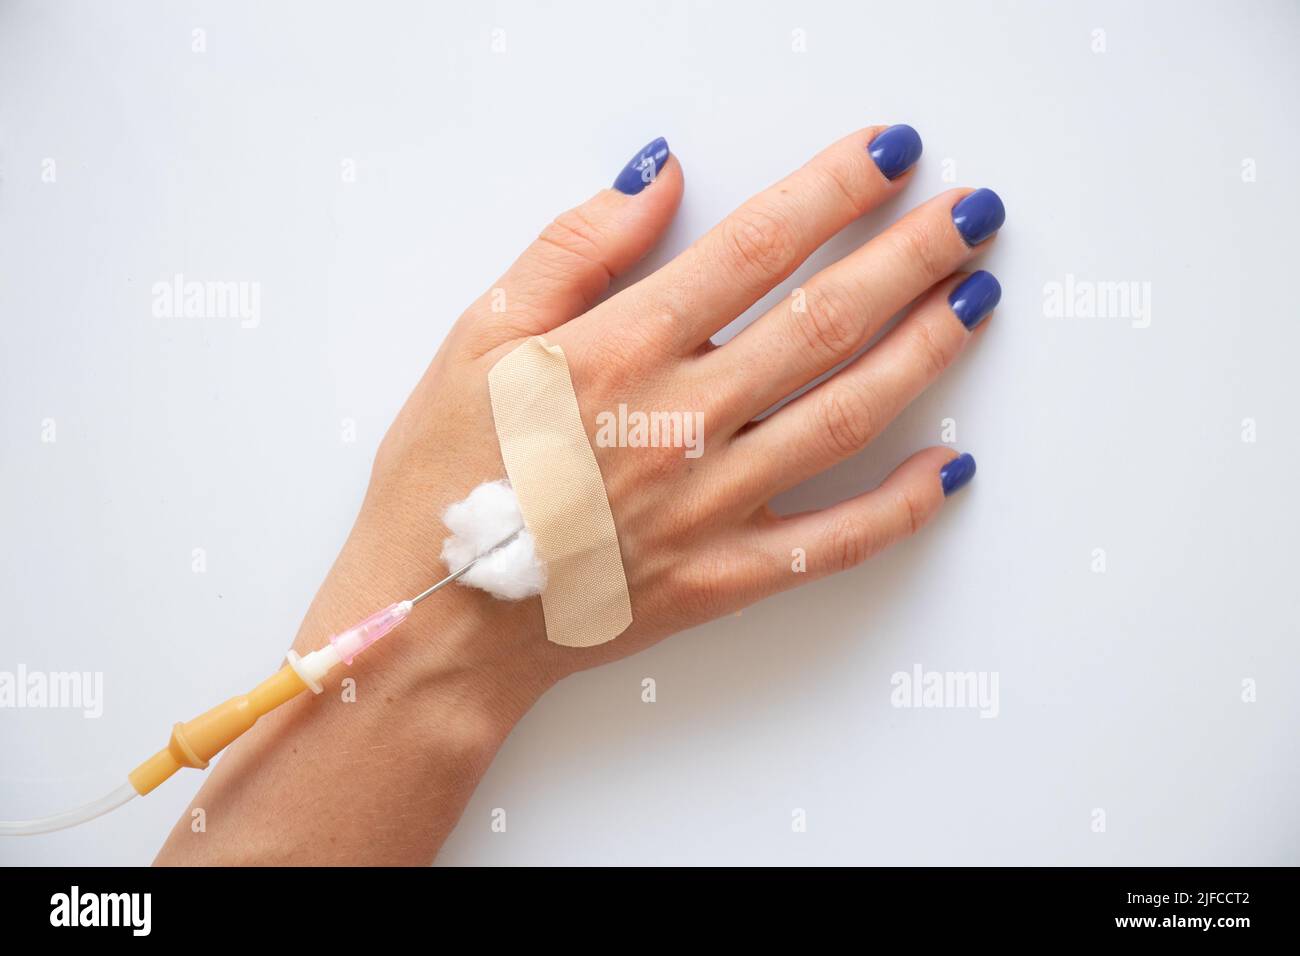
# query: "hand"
{"type": "Point", "coordinates": [697, 535]}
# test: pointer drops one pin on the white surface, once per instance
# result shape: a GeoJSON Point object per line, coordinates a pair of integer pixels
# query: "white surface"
{"type": "Point", "coordinates": [1119, 691]}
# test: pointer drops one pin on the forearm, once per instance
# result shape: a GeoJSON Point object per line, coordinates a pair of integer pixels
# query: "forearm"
{"type": "Point", "coordinates": [377, 772]}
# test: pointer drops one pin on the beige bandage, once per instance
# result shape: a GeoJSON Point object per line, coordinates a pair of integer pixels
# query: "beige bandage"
{"type": "Point", "coordinates": [561, 495]}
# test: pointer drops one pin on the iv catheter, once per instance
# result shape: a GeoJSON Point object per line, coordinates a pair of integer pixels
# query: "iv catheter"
{"type": "Point", "coordinates": [196, 742]}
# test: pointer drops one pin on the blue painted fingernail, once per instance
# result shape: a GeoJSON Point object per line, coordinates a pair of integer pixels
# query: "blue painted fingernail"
{"type": "Point", "coordinates": [957, 474]}
{"type": "Point", "coordinates": [643, 168]}
{"type": "Point", "coordinates": [975, 298]}
{"type": "Point", "coordinates": [978, 216]}
{"type": "Point", "coordinates": [896, 150]}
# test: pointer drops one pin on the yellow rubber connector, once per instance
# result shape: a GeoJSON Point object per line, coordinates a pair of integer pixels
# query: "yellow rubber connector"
{"type": "Point", "coordinates": [197, 741]}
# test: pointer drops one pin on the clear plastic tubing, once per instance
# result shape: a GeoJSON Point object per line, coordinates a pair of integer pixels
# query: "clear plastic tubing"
{"type": "Point", "coordinates": [70, 818]}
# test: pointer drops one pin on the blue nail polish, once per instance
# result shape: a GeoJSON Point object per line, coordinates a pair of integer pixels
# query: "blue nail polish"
{"type": "Point", "coordinates": [975, 298]}
{"type": "Point", "coordinates": [896, 150]}
{"type": "Point", "coordinates": [957, 474]}
{"type": "Point", "coordinates": [641, 171]}
{"type": "Point", "coordinates": [978, 216]}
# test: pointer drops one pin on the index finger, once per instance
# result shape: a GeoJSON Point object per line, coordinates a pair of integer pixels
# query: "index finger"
{"type": "Point", "coordinates": [742, 258]}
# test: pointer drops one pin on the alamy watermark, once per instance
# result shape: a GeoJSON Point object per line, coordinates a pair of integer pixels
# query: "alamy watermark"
{"type": "Point", "coordinates": [180, 298]}
{"type": "Point", "coordinates": [53, 690]}
{"type": "Point", "coordinates": [625, 429]}
{"type": "Point", "coordinates": [133, 911]}
{"type": "Point", "coordinates": [955, 690]}
{"type": "Point", "coordinates": [1074, 298]}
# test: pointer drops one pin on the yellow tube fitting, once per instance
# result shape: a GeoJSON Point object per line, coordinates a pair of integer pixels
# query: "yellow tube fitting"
{"type": "Point", "coordinates": [196, 742]}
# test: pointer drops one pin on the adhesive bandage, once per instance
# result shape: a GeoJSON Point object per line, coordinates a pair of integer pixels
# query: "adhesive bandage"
{"type": "Point", "coordinates": [561, 494]}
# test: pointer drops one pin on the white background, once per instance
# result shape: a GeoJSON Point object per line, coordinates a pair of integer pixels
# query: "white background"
{"type": "Point", "coordinates": [1119, 690]}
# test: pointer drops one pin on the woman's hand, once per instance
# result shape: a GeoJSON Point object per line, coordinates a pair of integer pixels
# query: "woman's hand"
{"type": "Point", "coordinates": [697, 536]}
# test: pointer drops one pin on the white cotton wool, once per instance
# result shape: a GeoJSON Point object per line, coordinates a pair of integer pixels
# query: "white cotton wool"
{"type": "Point", "coordinates": [482, 520]}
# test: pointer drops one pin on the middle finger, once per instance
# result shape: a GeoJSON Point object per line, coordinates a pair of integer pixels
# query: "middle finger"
{"type": "Point", "coordinates": [841, 308]}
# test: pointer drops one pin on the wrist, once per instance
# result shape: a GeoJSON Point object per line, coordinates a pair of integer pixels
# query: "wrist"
{"type": "Point", "coordinates": [484, 658]}
{"type": "Point", "coordinates": [462, 658]}
{"type": "Point", "coordinates": [403, 735]}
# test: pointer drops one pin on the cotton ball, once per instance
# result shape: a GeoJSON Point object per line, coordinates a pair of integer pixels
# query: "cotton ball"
{"type": "Point", "coordinates": [510, 573]}
{"type": "Point", "coordinates": [487, 516]}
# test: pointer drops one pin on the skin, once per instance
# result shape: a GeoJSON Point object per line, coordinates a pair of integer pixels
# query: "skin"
{"type": "Point", "coordinates": [383, 780]}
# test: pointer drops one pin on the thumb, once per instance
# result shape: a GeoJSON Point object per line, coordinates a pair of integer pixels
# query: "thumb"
{"type": "Point", "coordinates": [567, 268]}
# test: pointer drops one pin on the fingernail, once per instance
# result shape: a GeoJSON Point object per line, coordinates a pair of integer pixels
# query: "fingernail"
{"type": "Point", "coordinates": [641, 171]}
{"type": "Point", "coordinates": [957, 474]}
{"type": "Point", "coordinates": [896, 150]}
{"type": "Point", "coordinates": [975, 298]}
{"type": "Point", "coordinates": [978, 216]}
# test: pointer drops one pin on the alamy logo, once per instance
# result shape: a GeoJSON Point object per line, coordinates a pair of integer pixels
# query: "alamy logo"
{"type": "Point", "coordinates": [182, 299]}
{"type": "Point", "coordinates": [102, 909]}
{"type": "Point", "coordinates": [53, 690]}
{"type": "Point", "coordinates": [972, 690]}
{"type": "Point", "coordinates": [1075, 298]}
{"type": "Point", "coordinates": [624, 429]}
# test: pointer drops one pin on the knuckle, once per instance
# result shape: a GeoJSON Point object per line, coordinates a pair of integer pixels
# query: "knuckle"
{"type": "Point", "coordinates": [609, 370]}
{"type": "Point", "coordinates": [575, 236]}
{"type": "Point", "coordinates": [922, 248]}
{"type": "Point", "coordinates": [759, 242]}
{"type": "Point", "coordinates": [847, 180]}
{"type": "Point", "coordinates": [846, 420]}
{"type": "Point", "coordinates": [828, 322]}
{"type": "Point", "coordinates": [930, 351]}
{"type": "Point", "coordinates": [601, 365]}
{"type": "Point", "coordinates": [851, 541]}
{"type": "Point", "coordinates": [911, 504]}
{"type": "Point", "coordinates": [704, 585]}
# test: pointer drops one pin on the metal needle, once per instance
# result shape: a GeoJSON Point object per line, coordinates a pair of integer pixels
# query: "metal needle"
{"type": "Point", "coordinates": [461, 570]}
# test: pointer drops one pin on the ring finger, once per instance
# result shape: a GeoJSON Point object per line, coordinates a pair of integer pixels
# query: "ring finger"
{"type": "Point", "coordinates": [841, 308]}
{"type": "Point", "coordinates": [841, 416]}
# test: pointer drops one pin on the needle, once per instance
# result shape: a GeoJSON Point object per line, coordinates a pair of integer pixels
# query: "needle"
{"type": "Point", "coordinates": [461, 570]}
